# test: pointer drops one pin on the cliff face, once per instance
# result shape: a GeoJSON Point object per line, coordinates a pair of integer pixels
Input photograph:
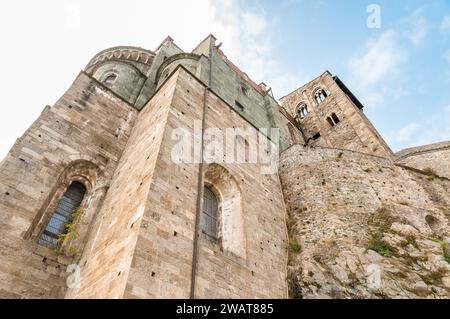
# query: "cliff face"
{"type": "Point", "coordinates": [363, 227]}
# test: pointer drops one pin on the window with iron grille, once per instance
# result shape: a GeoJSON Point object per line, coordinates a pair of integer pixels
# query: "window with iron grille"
{"type": "Point", "coordinates": [209, 213]}
{"type": "Point", "coordinates": [56, 226]}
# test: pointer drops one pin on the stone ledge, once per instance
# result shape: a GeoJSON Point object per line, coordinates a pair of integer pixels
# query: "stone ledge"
{"type": "Point", "coordinates": [412, 151]}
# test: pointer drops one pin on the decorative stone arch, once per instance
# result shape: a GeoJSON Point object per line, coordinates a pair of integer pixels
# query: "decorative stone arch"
{"type": "Point", "coordinates": [173, 58]}
{"type": "Point", "coordinates": [91, 177]}
{"type": "Point", "coordinates": [123, 53]}
{"type": "Point", "coordinates": [301, 110]}
{"type": "Point", "coordinates": [112, 69]}
{"type": "Point", "coordinates": [86, 158]}
{"type": "Point", "coordinates": [231, 234]}
{"type": "Point", "coordinates": [319, 95]}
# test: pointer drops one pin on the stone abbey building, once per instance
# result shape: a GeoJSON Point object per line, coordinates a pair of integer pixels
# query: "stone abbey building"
{"type": "Point", "coordinates": [93, 205]}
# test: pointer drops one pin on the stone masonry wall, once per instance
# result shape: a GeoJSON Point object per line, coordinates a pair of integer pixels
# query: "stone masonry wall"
{"type": "Point", "coordinates": [87, 125]}
{"type": "Point", "coordinates": [361, 227]}
{"type": "Point", "coordinates": [107, 258]}
{"type": "Point", "coordinates": [162, 261]}
{"type": "Point", "coordinates": [353, 132]}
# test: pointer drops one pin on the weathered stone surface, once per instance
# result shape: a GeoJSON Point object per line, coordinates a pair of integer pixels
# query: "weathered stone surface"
{"type": "Point", "coordinates": [80, 128]}
{"type": "Point", "coordinates": [434, 159]}
{"type": "Point", "coordinates": [357, 221]}
{"type": "Point", "coordinates": [363, 226]}
{"type": "Point", "coordinates": [353, 131]}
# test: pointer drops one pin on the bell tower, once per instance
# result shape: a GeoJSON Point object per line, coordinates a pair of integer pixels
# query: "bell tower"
{"type": "Point", "coordinates": [331, 116]}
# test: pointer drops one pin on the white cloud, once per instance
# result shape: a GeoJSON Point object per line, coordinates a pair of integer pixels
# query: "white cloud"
{"type": "Point", "coordinates": [380, 61]}
{"type": "Point", "coordinates": [54, 40]}
{"type": "Point", "coordinates": [445, 25]}
{"type": "Point", "coordinates": [406, 133]}
{"type": "Point", "coordinates": [250, 40]}
{"type": "Point", "coordinates": [446, 56]}
{"type": "Point", "coordinates": [417, 27]}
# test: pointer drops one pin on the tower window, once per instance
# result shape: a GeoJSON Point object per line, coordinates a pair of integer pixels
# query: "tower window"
{"type": "Point", "coordinates": [302, 110]}
{"type": "Point", "coordinates": [333, 119]}
{"type": "Point", "coordinates": [330, 121]}
{"type": "Point", "coordinates": [110, 79]}
{"type": "Point", "coordinates": [209, 213]}
{"type": "Point", "coordinates": [316, 136]}
{"type": "Point", "coordinates": [320, 96]}
{"type": "Point", "coordinates": [57, 225]}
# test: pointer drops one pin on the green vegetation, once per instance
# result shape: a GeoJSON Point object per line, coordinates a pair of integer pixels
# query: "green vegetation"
{"type": "Point", "coordinates": [294, 246]}
{"type": "Point", "coordinates": [446, 251]}
{"type": "Point", "coordinates": [70, 231]}
{"type": "Point", "coordinates": [377, 244]}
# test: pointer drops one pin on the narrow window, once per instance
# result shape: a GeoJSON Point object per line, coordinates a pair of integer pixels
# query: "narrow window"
{"type": "Point", "coordinates": [335, 118]}
{"type": "Point", "coordinates": [244, 90]}
{"type": "Point", "coordinates": [239, 106]}
{"type": "Point", "coordinates": [316, 136]}
{"type": "Point", "coordinates": [302, 110]}
{"type": "Point", "coordinates": [330, 121]}
{"type": "Point", "coordinates": [110, 79]}
{"type": "Point", "coordinates": [209, 213]}
{"type": "Point", "coordinates": [56, 226]}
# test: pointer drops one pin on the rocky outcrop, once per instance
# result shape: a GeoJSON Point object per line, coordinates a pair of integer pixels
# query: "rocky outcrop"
{"type": "Point", "coordinates": [363, 227]}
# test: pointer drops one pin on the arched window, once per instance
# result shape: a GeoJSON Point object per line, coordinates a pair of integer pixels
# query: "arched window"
{"type": "Point", "coordinates": [222, 201]}
{"type": "Point", "coordinates": [209, 213]}
{"type": "Point", "coordinates": [63, 215]}
{"type": "Point", "coordinates": [302, 110]}
{"type": "Point", "coordinates": [330, 121]}
{"type": "Point", "coordinates": [320, 96]}
{"type": "Point", "coordinates": [333, 120]}
{"type": "Point", "coordinates": [110, 79]}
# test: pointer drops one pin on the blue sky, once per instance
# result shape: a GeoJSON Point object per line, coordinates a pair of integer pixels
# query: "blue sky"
{"type": "Point", "coordinates": [400, 72]}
